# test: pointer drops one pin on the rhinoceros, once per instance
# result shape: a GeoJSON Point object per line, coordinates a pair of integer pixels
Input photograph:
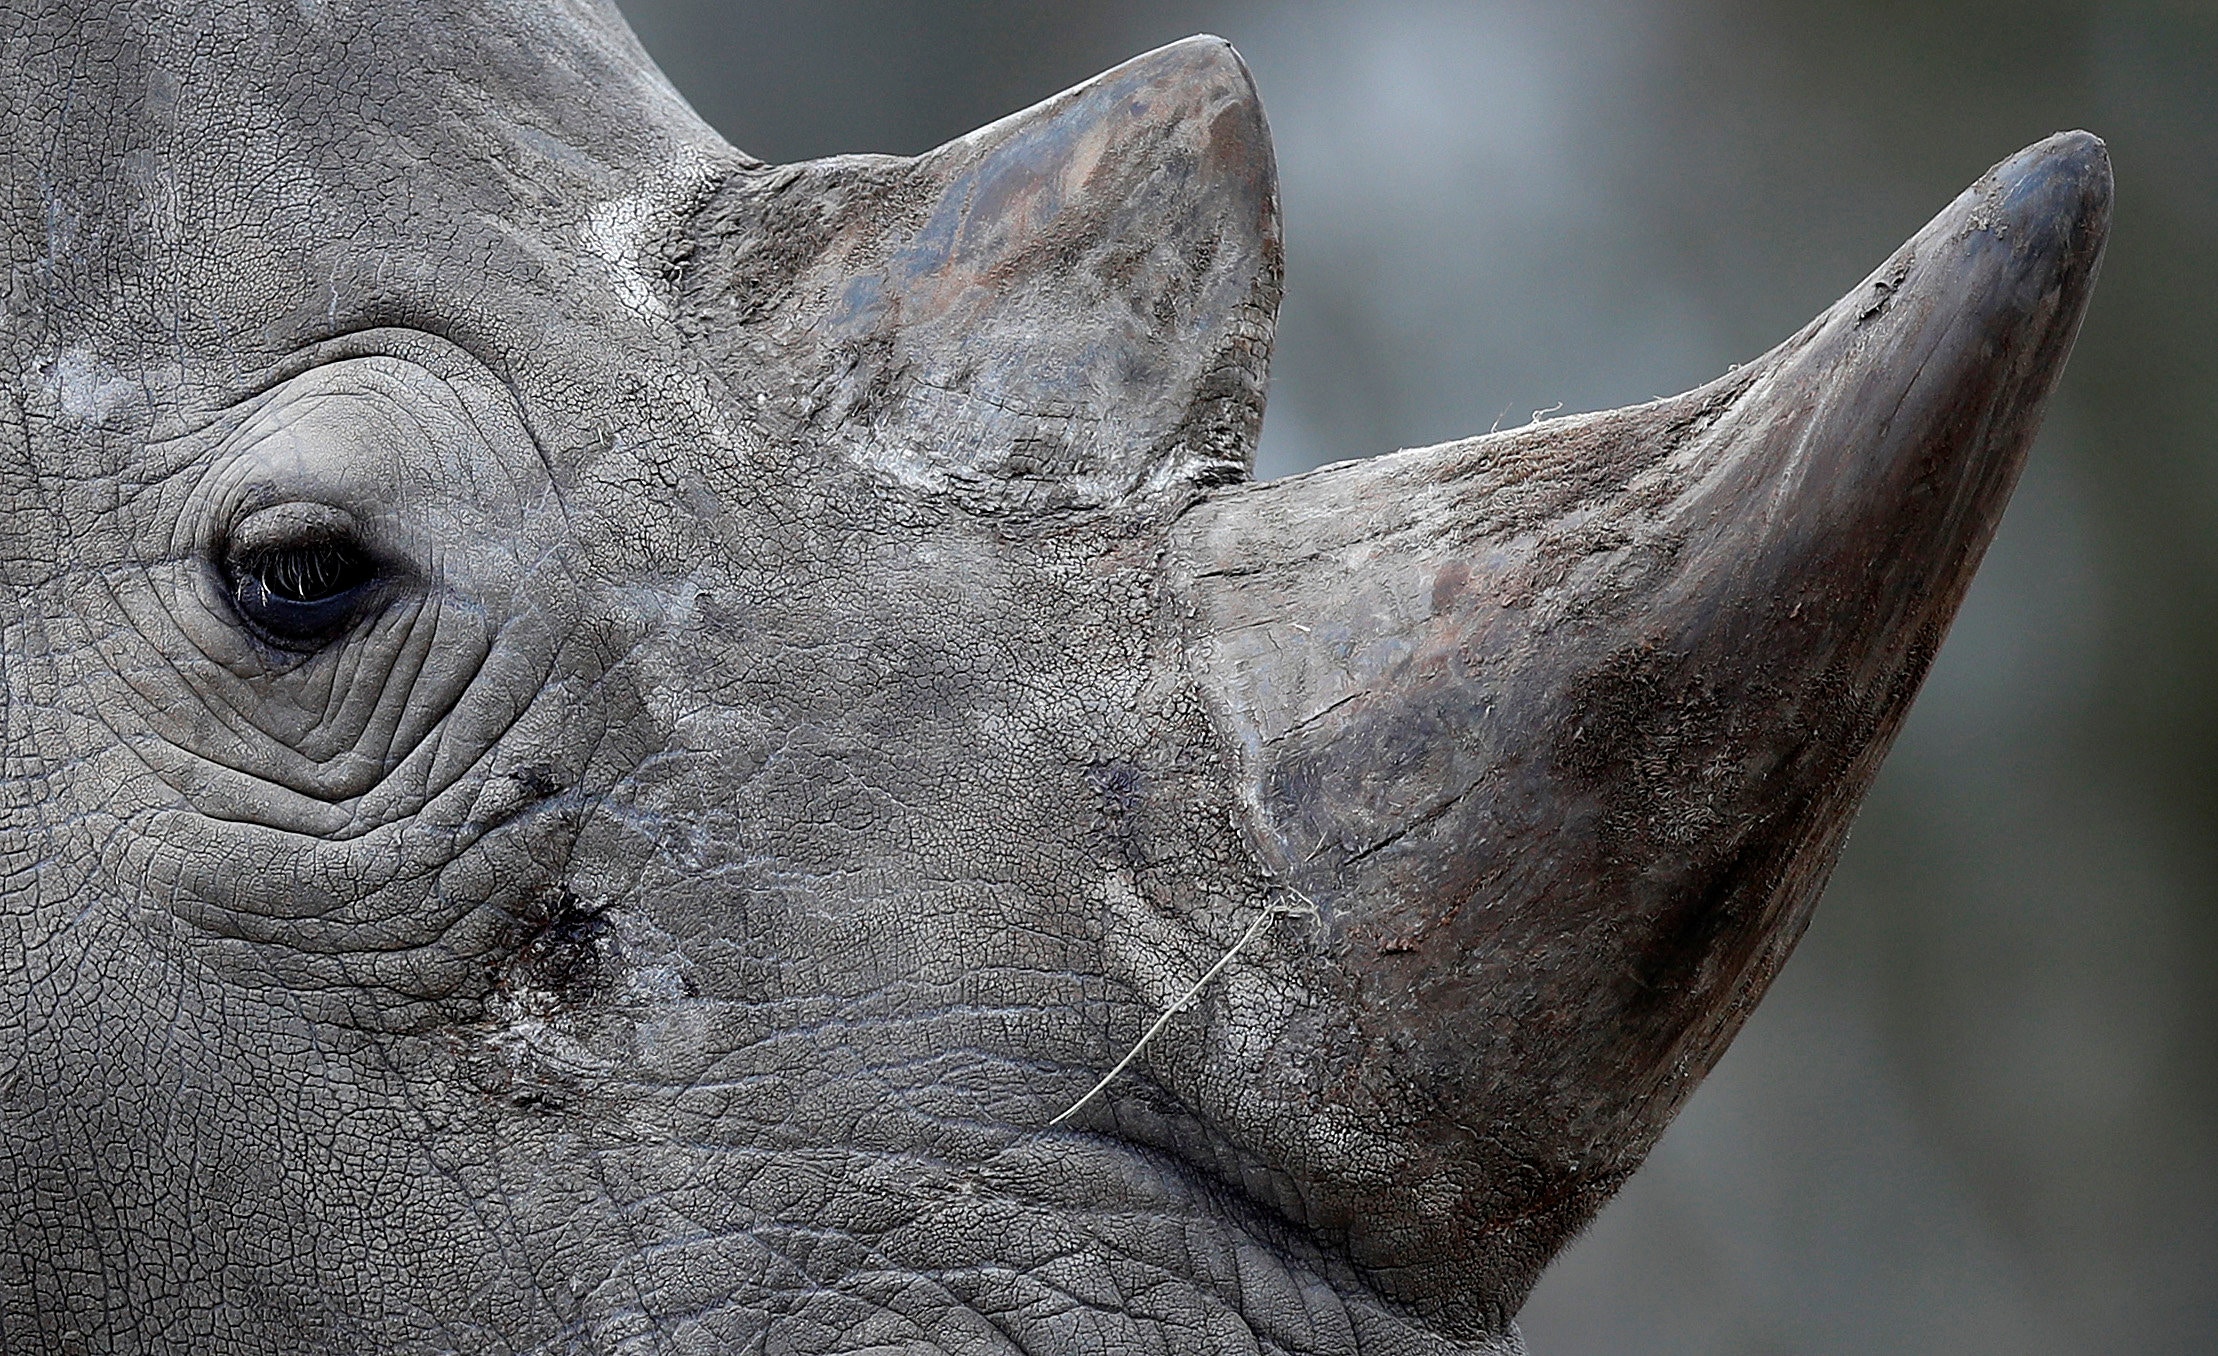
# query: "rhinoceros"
{"type": "Point", "coordinates": [612, 748]}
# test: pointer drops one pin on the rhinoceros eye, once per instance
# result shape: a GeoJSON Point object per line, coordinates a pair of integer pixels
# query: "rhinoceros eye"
{"type": "Point", "coordinates": [299, 573]}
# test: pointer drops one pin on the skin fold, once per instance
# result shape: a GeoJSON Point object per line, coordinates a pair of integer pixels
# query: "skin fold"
{"type": "Point", "coordinates": [600, 735]}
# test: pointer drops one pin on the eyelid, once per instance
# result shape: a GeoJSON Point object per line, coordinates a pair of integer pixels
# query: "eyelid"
{"type": "Point", "coordinates": [291, 525]}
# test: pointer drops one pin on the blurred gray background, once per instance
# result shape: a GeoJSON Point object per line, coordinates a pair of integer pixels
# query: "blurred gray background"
{"type": "Point", "coordinates": [1979, 1111]}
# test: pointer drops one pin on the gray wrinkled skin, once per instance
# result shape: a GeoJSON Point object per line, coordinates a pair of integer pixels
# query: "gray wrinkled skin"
{"type": "Point", "coordinates": [598, 736]}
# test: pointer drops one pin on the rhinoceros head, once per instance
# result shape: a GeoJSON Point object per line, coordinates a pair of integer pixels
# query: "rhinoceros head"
{"type": "Point", "coordinates": [605, 743]}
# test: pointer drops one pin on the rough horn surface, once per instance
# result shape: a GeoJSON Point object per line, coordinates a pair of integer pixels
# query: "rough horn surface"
{"type": "Point", "coordinates": [1068, 309]}
{"type": "Point", "coordinates": [1563, 728]}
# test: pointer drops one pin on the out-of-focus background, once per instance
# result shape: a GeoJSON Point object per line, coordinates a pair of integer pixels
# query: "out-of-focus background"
{"type": "Point", "coordinates": [1979, 1111]}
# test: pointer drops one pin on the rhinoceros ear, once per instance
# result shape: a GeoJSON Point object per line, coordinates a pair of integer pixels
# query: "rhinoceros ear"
{"type": "Point", "coordinates": [1069, 308]}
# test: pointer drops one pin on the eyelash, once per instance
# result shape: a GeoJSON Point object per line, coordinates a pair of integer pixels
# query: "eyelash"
{"type": "Point", "coordinates": [308, 574]}
{"type": "Point", "coordinates": [302, 596]}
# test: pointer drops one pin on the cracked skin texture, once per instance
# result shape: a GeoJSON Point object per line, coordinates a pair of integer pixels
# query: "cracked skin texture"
{"type": "Point", "coordinates": [811, 687]}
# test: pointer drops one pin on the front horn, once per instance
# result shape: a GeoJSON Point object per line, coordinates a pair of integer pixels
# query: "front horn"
{"type": "Point", "coordinates": [1562, 729]}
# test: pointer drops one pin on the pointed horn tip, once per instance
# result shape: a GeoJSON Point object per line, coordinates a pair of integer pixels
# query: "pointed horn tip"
{"type": "Point", "coordinates": [1204, 51]}
{"type": "Point", "coordinates": [1208, 70]}
{"type": "Point", "coordinates": [2007, 267]}
{"type": "Point", "coordinates": [1195, 81]}
{"type": "Point", "coordinates": [1198, 63]}
{"type": "Point", "coordinates": [2078, 150]}
{"type": "Point", "coordinates": [2062, 178]}
{"type": "Point", "coordinates": [1208, 63]}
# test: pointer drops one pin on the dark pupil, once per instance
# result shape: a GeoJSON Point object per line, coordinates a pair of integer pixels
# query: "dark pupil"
{"type": "Point", "coordinates": [308, 574]}
{"type": "Point", "coordinates": [304, 593]}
